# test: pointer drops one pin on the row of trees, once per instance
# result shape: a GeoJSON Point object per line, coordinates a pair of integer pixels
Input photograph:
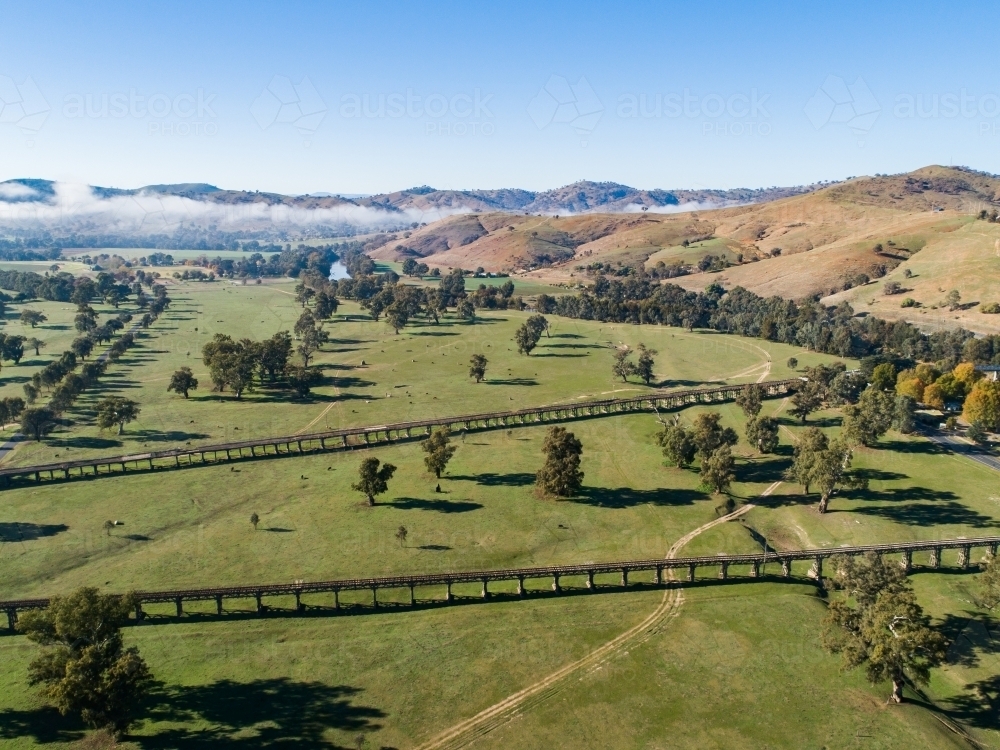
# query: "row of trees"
{"type": "Point", "coordinates": [65, 379]}
{"type": "Point", "coordinates": [808, 323]}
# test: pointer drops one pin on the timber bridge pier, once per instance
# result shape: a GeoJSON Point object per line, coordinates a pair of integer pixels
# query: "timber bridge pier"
{"type": "Point", "coordinates": [362, 437]}
{"type": "Point", "coordinates": [325, 595]}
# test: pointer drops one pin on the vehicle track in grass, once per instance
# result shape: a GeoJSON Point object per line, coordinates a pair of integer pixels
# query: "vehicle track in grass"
{"type": "Point", "coordinates": [468, 731]}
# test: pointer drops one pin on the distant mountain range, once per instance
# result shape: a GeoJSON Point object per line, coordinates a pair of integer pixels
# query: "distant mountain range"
{"type": "Point", "coordinates": [33, 207]}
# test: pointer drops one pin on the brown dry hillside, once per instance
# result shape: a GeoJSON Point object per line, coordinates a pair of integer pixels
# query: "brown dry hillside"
{"type": "Point", "coordinates": [817, 243]}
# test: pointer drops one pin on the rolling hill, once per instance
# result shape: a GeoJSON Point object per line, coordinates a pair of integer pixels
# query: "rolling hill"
{"type": "Point", "coordinates": [839, 242]}
{"type": "Point", "coordinates": [33, 208]}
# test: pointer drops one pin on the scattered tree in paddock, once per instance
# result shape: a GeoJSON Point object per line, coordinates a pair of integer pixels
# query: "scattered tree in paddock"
{"type": "Point", "coordinates": [988, 594]}
{"type": "Point", "coordinates": [904, 414]}
{"type": "Point", "coordinates": [11, 408]}
{"type": "Point", "coordinates": [762, 434]}
{"type": "Point", "coordinates": [303, 379]}
{"type": "Point", "coordinates": [116, 410]}
{"type": "Point", "coordinates": [36, 423]}
{"type": "Point", "coordinates": [644, 365]}
{"type": "Point", "coordinates": [397, 316]}
{"type": "Point", "coordinates": [677, 443]}
{"type": "Point", "coordinates": [36, 344]}
{"type": "Point", "coordinates": [718, 470]}
{"type": "Point", "coordinates": [466, 310]}
{"type": "Point", "coordinates": [869, 419]}
{"type": "Point", "coordinates": [709, 435]}
{"type": "Point", "coordinates": [792, 364]}
{"type": "Point", "coordinates": [750, 399]}
{"type": "Point", "coordinates": [477, 367]}
{"type": "Point", "coordinates": [561, 475]}
{"type": "Point", "coordinates": [86, 670]}
{"type": "Point", "coordinates": [887, 631]}
{"type": "Point", "coordinates": [539, 323]}
{"type": "Point", "coordinates": [526, 339]}
{"type": "Point", "coordinates": [439, 451]}
{"type": "Point", "coordinates": [622, 366]}
{"type": "Point", "coordinates": [32, 318]}
{"type": "Point", "coordinates": [401, 534]}
{"type": "Point", "coordinates": [325, 306]}
{"type": "Point", "coordinates": [807, 399]}
{"type": "Point", "coordinates": [182, 381]}
{"type": "Point", "coordinates": [254, 520]}
{"type": "Point", "coordinates": [372, 479]}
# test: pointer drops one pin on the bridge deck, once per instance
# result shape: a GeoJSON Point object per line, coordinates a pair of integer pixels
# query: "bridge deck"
{"type": "Point", "coordinates": [317, 441]}
{"type": "Point", "coordinates": [589, 569]}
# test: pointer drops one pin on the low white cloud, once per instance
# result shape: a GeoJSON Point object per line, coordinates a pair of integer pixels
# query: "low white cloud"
{"type": "Point", "coordinates": [678, 208]}
{"type": "Point", "coordinates": [15, 190]}
{"type": "Point", "coordinates": [76, 208]}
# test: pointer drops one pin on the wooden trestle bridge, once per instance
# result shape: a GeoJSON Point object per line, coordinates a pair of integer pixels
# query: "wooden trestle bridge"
{"type": "Point", "coordinates": [360, 437]}
{"type": "Point", "coordinates": [310, 596]}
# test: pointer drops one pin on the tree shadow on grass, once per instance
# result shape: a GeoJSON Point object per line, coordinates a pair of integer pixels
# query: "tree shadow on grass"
{"type": "Point", "coordinates": [627, 497]}
{"type": "Point", "coordinates": [511, 381]}
{"type": "Point", "coordinates": [813, 421]}
{"type": "Point", "coordinates": [264, 713]}
{"type": "Point", "coordinates": [95, 443]}
{"type": "Point", "coordinates": [979, 705]}
{"type": "Point", "coordinates": [171, 436]}
{"type": "Point", "coordinates": [919, 447]}
{"type": "Point", "coordinates": [931, 508]}
{"type": "Point", "coordinates": [16, 531]}
{"type": "Point", "coordinates": [571, 346]}
{"type": "Point", "coordinates": [441, 506]}
{"type": "Point", "coordinates": [515, 479]}
{"type": "Point", "coordinates": [767, 470]}
{"type": "Point", "coordinates": [971, 637]}
{"type": "Point", "coordinates": [560, 356]}
{"type": "Point", "coordinates": [878, 475]}
{"type": "Point", "coordinates": [44, 725]}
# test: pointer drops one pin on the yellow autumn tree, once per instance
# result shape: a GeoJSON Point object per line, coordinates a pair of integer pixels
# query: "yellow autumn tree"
{"type": "Point", "coordinates": [912, 387]}
{"type": "Point", "coordinates": [982, 405]}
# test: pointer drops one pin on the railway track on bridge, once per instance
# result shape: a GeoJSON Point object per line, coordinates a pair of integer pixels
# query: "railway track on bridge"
{"type": "Point", "coordinates": [367, 436]}
{"type": "Point", "coordinates": [754, 564]}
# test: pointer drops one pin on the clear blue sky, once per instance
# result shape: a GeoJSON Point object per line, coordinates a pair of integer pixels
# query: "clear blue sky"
{"type": "Point", "coordinates": [310, 97]}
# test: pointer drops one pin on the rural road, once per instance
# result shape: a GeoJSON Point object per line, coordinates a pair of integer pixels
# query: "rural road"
{"type": "Point", "coordinates": [959, 446]}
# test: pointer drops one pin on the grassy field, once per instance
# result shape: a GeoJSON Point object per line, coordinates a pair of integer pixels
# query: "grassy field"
{"type": "Point", "coordinates": [372, 375]}
{"type": "Point", "coordinates": [740, 666]}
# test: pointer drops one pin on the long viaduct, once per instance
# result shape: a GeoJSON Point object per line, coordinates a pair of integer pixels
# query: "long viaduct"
{"type": "Point", "coordinates": [353, 437]}
{"type": "Point", "coordinates": [326, 594]}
